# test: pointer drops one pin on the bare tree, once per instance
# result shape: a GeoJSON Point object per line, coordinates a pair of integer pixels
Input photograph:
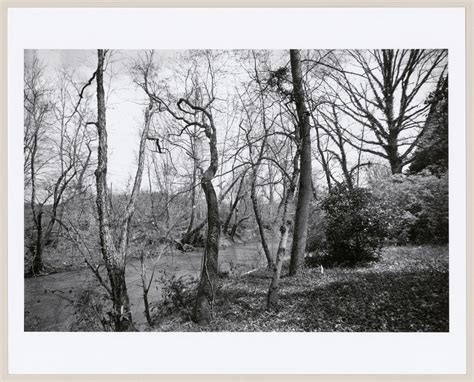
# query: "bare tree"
{"type": "Point", "coordinates": [305, 180]}
{"type": "Point", "coordinates": [235, 202]}
{"type": "Point", "coordinates": [114, 255]}
{"type": "Point", "coordinates": [382, 94]}
{"type": "Point", "coordinates": [330, 124]}
{"type": "Point", "coordinates": [36, 106]}
{"type": "Point", "coordinates": [200, 115]}
{"type": "Point", "coordinates": [286, 222]}
{"type": "Point", "coordinates": [57, 154]}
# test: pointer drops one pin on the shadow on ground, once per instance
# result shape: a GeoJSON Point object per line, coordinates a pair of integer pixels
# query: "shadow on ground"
{"type": "Point", "coordinates": [391, 301]}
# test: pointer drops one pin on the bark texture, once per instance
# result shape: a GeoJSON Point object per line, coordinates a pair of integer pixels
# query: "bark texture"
{"type": "Point", "coordinates": [209, 272]}
{"type": "Point", "coordinates": [114, 263]}
{"type": "Point", "coordinates": [115, 255]}
{"type": "Point", "coordinates": [272, 297]}
{"type": "Point", "coordinates": [258, 218]}
{"type": "Point", "coordinates": [304, 189]}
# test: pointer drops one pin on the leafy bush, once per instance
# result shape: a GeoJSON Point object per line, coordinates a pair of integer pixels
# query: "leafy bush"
{"type": "Point", "coordinates": [92, 312]}
{"type": "Point", "coordinates": [177, 295]}
{"type": "Point", "coordinates": [316, 241]}
{"type": "Point", "coordinates": [418, 206]}
{"type": "Point", "coordinates": [355, 225]}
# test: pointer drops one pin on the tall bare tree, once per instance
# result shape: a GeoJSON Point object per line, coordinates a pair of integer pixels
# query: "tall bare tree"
{"type": "Point", "coordinates": [189, 115]}
{"type": "Point", "coordinates": [382, 93]}
{"type": "Point", "coordinates": [57, 154]}
{"type": "Point", "coordinates": [286, 222]}
{"type": "Point", "coordinates": [305, 180]}
{"type": "Point", "coordinates": [115, 253]}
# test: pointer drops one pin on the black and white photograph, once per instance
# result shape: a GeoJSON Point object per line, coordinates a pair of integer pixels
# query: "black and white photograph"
{"type": "Point", "coordinates": [236, 190]}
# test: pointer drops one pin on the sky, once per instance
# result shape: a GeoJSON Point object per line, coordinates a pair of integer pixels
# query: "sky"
{"type": "Point", "coordinates": [126, 102]}
{"type": "Point", "coordinates": [124, 108]}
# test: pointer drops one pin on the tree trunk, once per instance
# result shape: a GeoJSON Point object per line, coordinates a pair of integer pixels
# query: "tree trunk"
{"type": "Point", "coordinates": [191, 237]}
{"type": "Point", "coordinates": [324, 162]}
{"type": "Point", "coordinates": [236, 225]}
{"type": "Point", "coordinates": [122, 315]}
{"type": "Point", "coordinates": [203, 309]}
{"type": "Point", "coordinates": [146, 288]}
{"type": "Point", "coordinates": [208, 282]}
{"type": "Point", "coordinates": [304, 189]}
{"type": "Point", "coordinates": [258, 218]}
{"type": "Point", "coordinates": [37, 261]}
{"type": "Point", "coordinates": [272, 297]}
{"type": "Point", "coordinates": [37, 264]}
{"type": "Point", "coordinates": [234, 205]}
{"type": "Point", "coordinates": [193, 190]}
{"type": "Point", "coordinates": [114, 263]}
{"type": "Point", "coordinates": [256, 167]}
{"type": "Point", "coordinates": [392, 153]}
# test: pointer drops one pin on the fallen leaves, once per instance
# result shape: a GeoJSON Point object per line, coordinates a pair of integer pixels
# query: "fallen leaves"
{"type": "Point", "coordinates": [407, 291]}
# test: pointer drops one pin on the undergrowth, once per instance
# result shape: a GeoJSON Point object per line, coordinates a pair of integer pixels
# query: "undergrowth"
{"type": "Point", "coordinates": [406, 291]}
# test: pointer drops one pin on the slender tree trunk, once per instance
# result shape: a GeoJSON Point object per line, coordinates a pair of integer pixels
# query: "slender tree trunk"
{"type": "Point", "coordinates": [272, 297]}
{"type": "Point", "coordinates": [256, 167]}
{"type": "Point", "coordinates": [236, 225]}
{"type": "Point", "coordinates": [208, 281]}
{"type": "Point", "coordinates": [37, 247]}
{"type": "Point", "coordinates": [191, 236]}
{"type": "Point", "coordinates": [146, 288]}
{"type": "Point", "coordinates": [37, 265]}
{"type": "Point", "coordinates": [324, 162]}
{"type": "Point", "coordinates": [359, 157]}
{"type": "Point", "coordinates": [304, 189]}
{"type": "Point", "coordinates": [152, 201]}
{"type": "Point", "coordinates": [114, 263]}
{"type": "Point", "coordinates": [147, 308]}
{"type": "Point", "coordinates": [234, 205]}
{"type": "Point", "coordinates": [271, 191]}
{"type": "Point", "coordinates": [233, 208]}
{"type": "Point", "coordinates": [282, 201]}
{"type": "Point", "coordinates": [203, 309]}
{"type": "Point", "coordinates": [258, 218]}
{"type": "Point", "coordinates": [193, 190]}
{"type": "Point", "coordinates": [59, 189]}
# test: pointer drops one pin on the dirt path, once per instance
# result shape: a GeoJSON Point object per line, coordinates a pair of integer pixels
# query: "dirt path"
{"type": "Point", "coordinates": [49, 300]}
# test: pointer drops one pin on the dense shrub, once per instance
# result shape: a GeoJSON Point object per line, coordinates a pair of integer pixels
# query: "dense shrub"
{"type": "Point", "coordinates": [177, 294]}
{"type": "Point", "coordinates": [316, 240]}
{"type": "Point", "coordinates": [92, 311]}
{"type": "Point", "coordinates": [418, 206]}
{"type": "Point", "coordinates": [355, 225]}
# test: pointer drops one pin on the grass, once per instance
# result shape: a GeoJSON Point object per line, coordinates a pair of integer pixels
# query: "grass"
{"type": "Point", "coordinates": [406, 291]}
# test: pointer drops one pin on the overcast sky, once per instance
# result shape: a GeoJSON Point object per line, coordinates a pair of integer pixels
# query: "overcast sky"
{"type": "Point", "coordinates": [124, 111]}
{"type": "Point", "coordinates": [125, 102]}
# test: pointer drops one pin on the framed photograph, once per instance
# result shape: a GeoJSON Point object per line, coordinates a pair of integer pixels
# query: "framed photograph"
{"type": "Point", "coordinates": [258, 191]}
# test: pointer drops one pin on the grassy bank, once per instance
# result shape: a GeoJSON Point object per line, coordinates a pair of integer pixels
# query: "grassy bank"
{"type": "Point", "coordinates": [407, 290]}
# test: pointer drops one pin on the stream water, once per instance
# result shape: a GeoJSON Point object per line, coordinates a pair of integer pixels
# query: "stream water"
{"type": "Point", "coordinates": [49, 300]}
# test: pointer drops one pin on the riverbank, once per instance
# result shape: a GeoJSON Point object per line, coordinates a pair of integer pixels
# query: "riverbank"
{"type": "Point", "coordinates": [74, 301]}
{"type": "Point", "coordinates": [407, 291]}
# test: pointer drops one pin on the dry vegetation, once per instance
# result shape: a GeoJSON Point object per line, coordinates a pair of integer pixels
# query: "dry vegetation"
{"type": "Point", "coordinates": [404, 292]}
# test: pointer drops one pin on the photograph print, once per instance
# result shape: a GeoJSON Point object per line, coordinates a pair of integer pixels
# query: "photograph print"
{"type": "Point", "coordinates": [236, 190]}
